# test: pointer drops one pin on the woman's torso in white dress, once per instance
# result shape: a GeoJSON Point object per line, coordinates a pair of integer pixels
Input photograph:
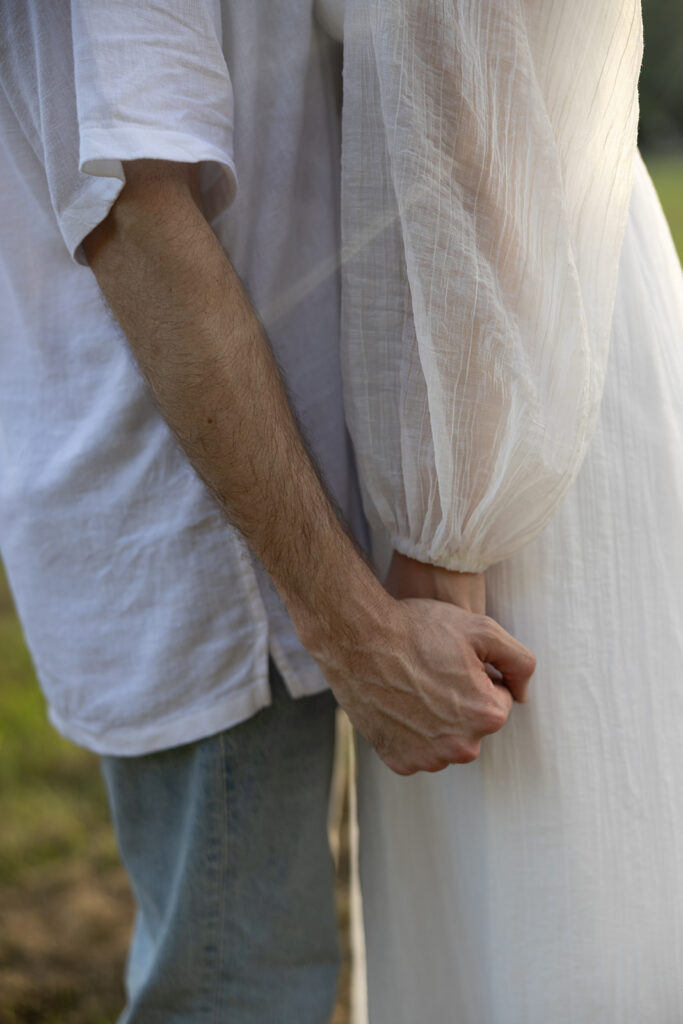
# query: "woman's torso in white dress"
{"type": "Point", "coordinates": [543, 884]}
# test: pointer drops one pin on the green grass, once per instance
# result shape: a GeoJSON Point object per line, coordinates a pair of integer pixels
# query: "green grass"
{"type": "Point", "coordinates": [52, 802]}
{"type": "Point", "coordinates": [667, 174]}
{"type": "Point", "coordinates": [58, 861]}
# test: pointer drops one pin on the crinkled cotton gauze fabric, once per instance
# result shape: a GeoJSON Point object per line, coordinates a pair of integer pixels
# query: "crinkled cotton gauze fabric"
{"type": "Point", "coordinates": [513, 369]}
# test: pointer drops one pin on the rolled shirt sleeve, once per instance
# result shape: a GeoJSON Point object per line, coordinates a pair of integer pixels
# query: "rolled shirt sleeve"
{"type": "Point", "coordinates": [115, 80]}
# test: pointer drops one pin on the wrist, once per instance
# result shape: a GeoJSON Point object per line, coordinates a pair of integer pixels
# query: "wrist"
{"type": "Point", "coordinates": [408, 577]}
{"type": "Point", "coordinates": [343, 603]}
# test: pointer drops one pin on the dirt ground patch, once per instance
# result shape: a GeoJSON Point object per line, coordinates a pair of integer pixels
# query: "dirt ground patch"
{"type": "Point", "coordinates": [65, 930]}
{"type": "Point", "coordinates": [62, 946]}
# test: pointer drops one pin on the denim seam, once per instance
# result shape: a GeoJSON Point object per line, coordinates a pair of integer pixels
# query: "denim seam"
{"type": "Point", "coordinates": [223, 820]}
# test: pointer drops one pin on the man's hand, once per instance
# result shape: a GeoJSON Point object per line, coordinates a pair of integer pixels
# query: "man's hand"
{"type": "Point", "coordinates": [408, 579]}
{"type": "Point", "coordinates": [415, 682]}
{"type": "Point", "coordinates": [409, 673]}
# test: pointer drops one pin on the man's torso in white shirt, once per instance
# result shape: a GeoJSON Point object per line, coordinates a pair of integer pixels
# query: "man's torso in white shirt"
{"type": "Point", "coordinates": [149, 622]}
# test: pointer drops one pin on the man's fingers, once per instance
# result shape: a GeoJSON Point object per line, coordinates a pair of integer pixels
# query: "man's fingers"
{"type": "Point", "coordinates": [512, 659]}
{"type": "Point", "coordinates": [505, 698]}
{"type": "Point", "coordinates": [493, 717]}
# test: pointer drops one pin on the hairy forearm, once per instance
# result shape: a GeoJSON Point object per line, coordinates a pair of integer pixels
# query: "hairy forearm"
{"type": "Point", "coordinates": [204, 355]}
{"type": "Point", "coordinates": [410, 672]}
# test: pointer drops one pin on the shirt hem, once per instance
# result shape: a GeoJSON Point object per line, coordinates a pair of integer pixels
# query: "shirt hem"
{"type": "Point", "coordinates": [135, 741]}
{"type": "Point", "coordinates": [304, 681]}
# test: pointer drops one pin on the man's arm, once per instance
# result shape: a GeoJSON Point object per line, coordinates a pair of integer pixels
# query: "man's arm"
{"type": "Point", "coordinates": [409, 673]}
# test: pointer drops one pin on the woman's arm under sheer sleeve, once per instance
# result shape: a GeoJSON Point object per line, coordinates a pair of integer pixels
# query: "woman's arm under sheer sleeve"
{"type": "Point", "coordinates": [487, 163]}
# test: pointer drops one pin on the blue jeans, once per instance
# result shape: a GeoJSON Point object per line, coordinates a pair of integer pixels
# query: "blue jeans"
{"type": "Point", "coordinates": [225, 843]}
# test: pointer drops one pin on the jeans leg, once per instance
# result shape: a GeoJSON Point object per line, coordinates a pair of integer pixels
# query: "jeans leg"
{"type": "Point", "coordinates": [225, 843]}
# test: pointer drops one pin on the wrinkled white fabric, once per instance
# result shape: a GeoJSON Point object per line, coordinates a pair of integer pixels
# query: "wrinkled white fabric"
{"type": "Point", "coordinates": [149, 623]}
{"type": "Point", "coordinates": [486, 171]}
{"type": "Point", "coordinates": [544, 882]}
{"type": "Point", "coordinates": [513, 332]}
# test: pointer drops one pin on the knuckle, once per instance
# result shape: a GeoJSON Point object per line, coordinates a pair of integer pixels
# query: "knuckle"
{"type": "Point", "coordinates": [463, 752]}
{"type": "Point", "coordinates": [470, 753]}
{"type": "Point", "coordinates": [399, 768]}
{"type": "Point", "coordinates": [420, 762]}
{"type": "Point", "coordinates": [486, 624]}
{"type": "Point", "coordinates": [493, 718]}
{"type": "Point", "coordinates": [434, 763]}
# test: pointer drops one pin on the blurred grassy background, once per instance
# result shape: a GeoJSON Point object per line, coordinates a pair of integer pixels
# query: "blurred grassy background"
{"type": "Point", "coordinates": [64, 902]}
{"type": "Point", "coordinates": [667, 174]}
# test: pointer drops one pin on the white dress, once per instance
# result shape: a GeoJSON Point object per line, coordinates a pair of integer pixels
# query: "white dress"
{"type": "Point", "coordinates": [513, 360]}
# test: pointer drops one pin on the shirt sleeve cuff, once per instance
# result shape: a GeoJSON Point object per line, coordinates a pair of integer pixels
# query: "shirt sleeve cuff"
{"type": "Point", "coordinates": [102, 152]}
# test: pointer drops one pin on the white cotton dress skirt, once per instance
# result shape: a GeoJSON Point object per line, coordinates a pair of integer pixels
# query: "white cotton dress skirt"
{"type": "Point", "coordinates": [543, 884]}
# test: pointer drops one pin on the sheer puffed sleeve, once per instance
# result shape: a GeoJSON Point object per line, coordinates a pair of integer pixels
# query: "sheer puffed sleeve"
{"type": "Point", "coordinates": [487, 163]}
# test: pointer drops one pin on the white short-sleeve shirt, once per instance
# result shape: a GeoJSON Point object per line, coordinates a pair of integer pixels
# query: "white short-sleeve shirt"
{"type": "Point", "coordinates": [149, 621]}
